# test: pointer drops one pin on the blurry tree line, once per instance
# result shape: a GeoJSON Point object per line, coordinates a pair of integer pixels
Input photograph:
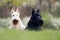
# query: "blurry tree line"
{"type": "Point", "coordinates": [53, 6]}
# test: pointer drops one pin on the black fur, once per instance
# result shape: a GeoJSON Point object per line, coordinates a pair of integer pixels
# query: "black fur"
{"type": "Point", "coordinates": [35, 22]}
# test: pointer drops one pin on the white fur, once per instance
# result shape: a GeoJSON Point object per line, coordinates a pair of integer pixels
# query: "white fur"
{"type": "Point", "coordinates": [16, 16]}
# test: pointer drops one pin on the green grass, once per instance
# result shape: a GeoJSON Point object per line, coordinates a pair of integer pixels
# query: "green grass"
{"type": "Point", "coordinates": [6, 34]}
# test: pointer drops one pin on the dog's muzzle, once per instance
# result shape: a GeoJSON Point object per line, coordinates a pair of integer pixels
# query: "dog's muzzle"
{"type": "Point", "coordinates": [15, 21]}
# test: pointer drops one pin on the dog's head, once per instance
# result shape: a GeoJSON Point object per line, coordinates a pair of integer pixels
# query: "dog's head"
{"type": "Point", "coordinates": [35, 15]}
{"type": "Point", "coordinates": [15, 16]}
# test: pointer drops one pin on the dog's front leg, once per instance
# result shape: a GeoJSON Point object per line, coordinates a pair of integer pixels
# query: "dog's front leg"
{"type": "Point", "coordinates": [17, 27]}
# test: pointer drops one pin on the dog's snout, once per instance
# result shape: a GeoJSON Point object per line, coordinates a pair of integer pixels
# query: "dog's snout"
{"type": "Point", "coordinates": [15, 21]}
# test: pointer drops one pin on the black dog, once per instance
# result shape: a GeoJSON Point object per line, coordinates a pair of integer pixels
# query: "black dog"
{"type": "Point", "coordinates": [35, 22]}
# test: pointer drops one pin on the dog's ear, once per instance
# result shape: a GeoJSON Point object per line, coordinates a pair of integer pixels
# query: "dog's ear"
{"type": "Point", "coordinates": [12, 10]}
{"type": "Point", "coordinates": [37, 11]}
{"type": "Point", "coordinates": [17, 10]}
{"type": "Point", "coordinates": [33, 11]}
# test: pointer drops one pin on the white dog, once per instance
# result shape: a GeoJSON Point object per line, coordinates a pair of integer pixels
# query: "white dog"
{"type": "Point", "coordinates": [16, 21]}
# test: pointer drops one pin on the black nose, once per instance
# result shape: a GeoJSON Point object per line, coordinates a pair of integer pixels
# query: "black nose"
{"type": "Point", "coordinates": [15, 21]}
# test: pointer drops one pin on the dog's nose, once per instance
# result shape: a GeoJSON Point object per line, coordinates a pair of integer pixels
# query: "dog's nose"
{"type": "Point", "coordinates": [15, 21]}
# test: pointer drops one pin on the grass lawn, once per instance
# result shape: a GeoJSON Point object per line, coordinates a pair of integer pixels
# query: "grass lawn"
{"type": "Point", "coordinates": [6, 34]}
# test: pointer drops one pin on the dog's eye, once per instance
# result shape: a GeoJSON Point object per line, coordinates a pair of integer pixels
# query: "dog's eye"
{"type": "Point", "coordinates": [12, 15]}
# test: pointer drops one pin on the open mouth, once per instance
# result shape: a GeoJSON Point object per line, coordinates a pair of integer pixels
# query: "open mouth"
{"type": "Point", "coordinates": [15, 21]}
